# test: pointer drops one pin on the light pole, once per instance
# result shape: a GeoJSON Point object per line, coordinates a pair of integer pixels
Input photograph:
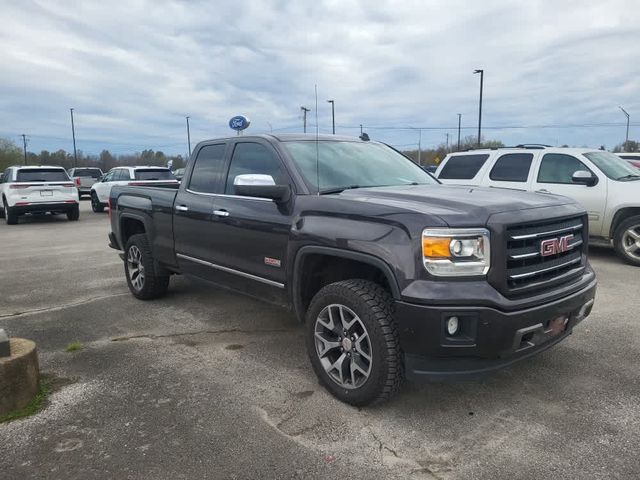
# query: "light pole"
{"type": "Point", "coordinates": [188, 136]}
{"type": "Point", "coordinates": [24, 143]}
{"type": "Point", "coordinates": [304, 118]}
{"type": "Point", "coordinates": [73, 133]}
{"type": "Point", "coordinates": [333, 115]}
{"type": "Point", "coordinates": [626, 139]}
{"type": "Point", "coordinates": [481, 72]}
{"type": "Point", "coordinates": [459, 123]}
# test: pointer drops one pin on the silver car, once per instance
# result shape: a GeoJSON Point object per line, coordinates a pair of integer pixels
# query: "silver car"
{"type": "Point", "coordinates": [84, 178]}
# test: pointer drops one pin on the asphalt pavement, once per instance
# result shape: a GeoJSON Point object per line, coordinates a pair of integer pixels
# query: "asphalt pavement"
{"type": "Point", "coordinates": [206, 383]}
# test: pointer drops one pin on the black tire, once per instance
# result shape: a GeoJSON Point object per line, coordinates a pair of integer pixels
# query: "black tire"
{"type": "Point", "coordinates": [151, 281]}
{"type": "Point", "coordinates": [9, 216]}
{"type": "Point", "coordinates": [96, 206]}
{"type": "Point", "coordinates": [622, 240]}
{"type": "Point", "coordinates": [74, 214]}
{"type": "Point", "coordinates": [2, 209]}
{"type": "Point", "coordinates": [373, 306]}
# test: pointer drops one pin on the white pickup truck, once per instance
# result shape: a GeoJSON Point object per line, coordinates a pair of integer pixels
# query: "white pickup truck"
{"type": "Point", "coordinates": [84, 178]}
{"type": "Point", "coordinates": [607, 186]}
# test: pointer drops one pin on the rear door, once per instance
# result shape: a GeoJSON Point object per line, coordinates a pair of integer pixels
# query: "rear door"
{"type": "Point", "coordinates": [44, 185]}
{"type": "Point", "coordinates": [553, 175]}
{"type": "Point", "coordinates": [510, 170]}
{"type": "Point", "coordinates": [193, 210]}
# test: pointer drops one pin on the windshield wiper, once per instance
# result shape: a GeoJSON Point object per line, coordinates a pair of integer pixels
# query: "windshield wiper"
{"type": "Point", "coordinates": [339, 189]}
{"type": "Point", "coordinates": [631, 175]}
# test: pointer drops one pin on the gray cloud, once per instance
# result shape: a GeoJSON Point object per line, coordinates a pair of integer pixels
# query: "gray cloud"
{"type": "Point", "coordinates": [133, 70]}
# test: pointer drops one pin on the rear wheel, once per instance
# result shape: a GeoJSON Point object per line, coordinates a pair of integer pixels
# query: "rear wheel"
{"type": "Point", "coordinates": [145, 279]}
{"type": "Point", "coordinates": [96, 206]}
{"type": "Point", "coordinates": [626, 240]}
{"type": "Point", "coordinates": [74, 214]}
{"type": "Point", "coordinates": [9, 216]}
{"type": "Point", "coordinates": [352, 342]}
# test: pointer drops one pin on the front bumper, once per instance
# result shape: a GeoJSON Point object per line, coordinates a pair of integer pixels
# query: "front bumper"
{"type": "Point", "coordinates": [43, 207]}
{"type": "Point", "coordinates": [488, 339]}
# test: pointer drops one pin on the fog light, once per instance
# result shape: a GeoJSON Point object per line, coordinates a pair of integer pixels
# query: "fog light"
{"type": "Point", "coordinates": [452, 325]}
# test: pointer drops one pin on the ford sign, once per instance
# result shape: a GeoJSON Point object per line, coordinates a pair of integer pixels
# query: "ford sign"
{"type": "Point", "coordinates": [239, 123]}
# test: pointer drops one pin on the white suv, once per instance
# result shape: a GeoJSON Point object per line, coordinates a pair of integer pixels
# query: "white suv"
{"type": "Point", "coordinates": [606, 185]}
{"type": "Point", "coordinates": [37, 190]}
{"type": "Point", "coordinates": [127, 176]}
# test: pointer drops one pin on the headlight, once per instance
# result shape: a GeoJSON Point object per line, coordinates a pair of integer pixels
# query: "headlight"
{"type": "Point", "coordinates": [450, 252]}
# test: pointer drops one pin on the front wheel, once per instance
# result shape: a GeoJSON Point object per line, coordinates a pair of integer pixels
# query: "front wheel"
{"type": "Point", "coordinates": [145, 279]}
{"type": "Point", "coordinates": [352, 342]}
{"type": "Point", "coordinates": [626, 240]}
{"type": "Point", "coordinates": [96, 206]}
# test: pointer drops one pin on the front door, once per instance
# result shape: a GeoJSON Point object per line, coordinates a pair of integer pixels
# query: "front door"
{"type": "Point", "coordinates": [250, 235]}
{"type": "Point", "coordinates": [554, 176]}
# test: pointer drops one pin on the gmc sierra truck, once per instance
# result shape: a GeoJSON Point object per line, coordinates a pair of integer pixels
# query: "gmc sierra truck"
{"type": "Point", "coordinates": [393, 274]}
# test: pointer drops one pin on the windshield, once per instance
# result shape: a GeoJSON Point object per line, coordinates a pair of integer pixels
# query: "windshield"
{"type": "Point", "coordinates": [87, 172]}
{"type": "Point", "coordinates": [353, 164]}
{"type": "Point", "coordinates": [42, 175]}
{"type": "Point", "coordinates": [613, 166]}
{"type": "Point", "coordinates": [154, 174]}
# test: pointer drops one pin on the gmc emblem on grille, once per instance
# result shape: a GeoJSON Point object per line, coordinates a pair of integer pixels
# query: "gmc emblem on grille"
{"type": "Point", "coordinates": [556, 245]}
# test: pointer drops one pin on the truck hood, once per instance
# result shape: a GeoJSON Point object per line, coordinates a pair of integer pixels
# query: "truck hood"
{"type": "Point", "coordinates": [454, 204]}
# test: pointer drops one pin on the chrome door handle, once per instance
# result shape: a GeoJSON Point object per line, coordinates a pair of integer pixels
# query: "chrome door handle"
{"type": "Point", "coordinates": [182, 208]}
{"type": "Point", "coordinates": [221, 213]}
{"type": "Point", "coordinates": [543, 190]}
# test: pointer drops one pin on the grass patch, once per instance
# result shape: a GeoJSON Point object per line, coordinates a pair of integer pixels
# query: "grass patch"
{"type": "Point", "coordinates": [73, 347]}
{"type": "Point", "coordinates": [38, 402]}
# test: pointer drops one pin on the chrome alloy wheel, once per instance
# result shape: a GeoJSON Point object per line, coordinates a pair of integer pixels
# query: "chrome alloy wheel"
{"type": "Point", "coordinates": [631, 241]}
{"type": "Point", "coordinates": [343, 346]}
{"type": "Point", "coordinates": [135, 268]}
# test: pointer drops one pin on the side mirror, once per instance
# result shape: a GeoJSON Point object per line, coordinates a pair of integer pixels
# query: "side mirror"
{"type": "Point", "coordinates": [583, 177]}
{"type": "Point", "coordinates": [261, 186]}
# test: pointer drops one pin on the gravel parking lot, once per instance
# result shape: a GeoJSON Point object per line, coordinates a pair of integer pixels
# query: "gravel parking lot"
{"type": "Point", "coordinates": [209, 384]}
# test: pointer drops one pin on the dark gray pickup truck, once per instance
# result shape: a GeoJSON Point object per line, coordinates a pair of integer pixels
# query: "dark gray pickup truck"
{"type": "Point", "coordinates": [393, 274]}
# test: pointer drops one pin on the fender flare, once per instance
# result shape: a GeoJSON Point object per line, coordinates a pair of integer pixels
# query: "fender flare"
{"type": "Point", "coordinates": [336, 252]}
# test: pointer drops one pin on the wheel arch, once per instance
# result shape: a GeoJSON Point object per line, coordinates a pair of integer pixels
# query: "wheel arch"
{"type": "Point", "coordinates": [334, 265]}
{"type": "Point", "coordinates": [620, 216]}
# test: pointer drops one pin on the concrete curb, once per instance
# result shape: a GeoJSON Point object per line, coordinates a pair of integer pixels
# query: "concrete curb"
{"type": "Point", "coordinates": [19, 376]}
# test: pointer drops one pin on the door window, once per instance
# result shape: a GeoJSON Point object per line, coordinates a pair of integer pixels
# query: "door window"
{"type": "Point", "coordinates": [257, 159]}
{"type": "Point", "coordinates": [462, 167]}
{"type": "Point", "coordinates": [559, 168]}
{"type": "Point", "coordinates": [512, 167]}
{"type": "Point", "coordinates": [208, 169]}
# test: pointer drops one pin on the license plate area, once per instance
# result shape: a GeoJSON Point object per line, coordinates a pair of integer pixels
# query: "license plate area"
{"type": "Point", "coordinates": [557, 325]}
{"type": "Point", "coordinates": [46, 193]}
{"type": "Point", "coordinates": [539, 333]}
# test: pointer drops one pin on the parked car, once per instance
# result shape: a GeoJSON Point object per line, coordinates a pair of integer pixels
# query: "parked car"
{"type": "Point", "coordinates": [632, 158]}
{"type": "Point", "coordinates": [604, 184]}
{"type": "Point", "coordinates": [178, 173]}
{"type": "Point", "coordinates": [127, 176]}
{"type": "Point", "coordinates": [430, 168]}
{"type": "Point", "coordinates": [391, 272]}
{"type": "Point", "coordinates": [84, 178]}
{"type": "Point", "coordinates": [34, 190]}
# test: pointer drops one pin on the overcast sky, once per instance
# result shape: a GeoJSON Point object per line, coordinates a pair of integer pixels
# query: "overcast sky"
{"type": "Point", "coordinates": [132, 70]}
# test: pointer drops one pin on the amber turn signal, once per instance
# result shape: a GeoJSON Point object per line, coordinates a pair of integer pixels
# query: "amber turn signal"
{"type": "Point", "coordinates": [436, 247]}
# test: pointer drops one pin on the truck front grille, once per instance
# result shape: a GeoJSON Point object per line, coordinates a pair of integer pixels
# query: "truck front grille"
{"type": "Point", "coordinates": [542, 255]}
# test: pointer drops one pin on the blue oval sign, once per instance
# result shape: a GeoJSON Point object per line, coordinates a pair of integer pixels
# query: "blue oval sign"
{"type": "Point", "coordinates": [239, 122]}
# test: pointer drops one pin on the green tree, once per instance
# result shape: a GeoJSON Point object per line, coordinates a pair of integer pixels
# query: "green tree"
{"type": "Point", "coordinates": [10, 154]}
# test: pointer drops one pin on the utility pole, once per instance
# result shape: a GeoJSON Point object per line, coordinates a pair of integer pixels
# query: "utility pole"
{"type": "Point", "coordinates": [626, 140]}
{"type": "Point", "coordinates": [333, 115]}
{"type": "Point", "coordinates": [447, 142]}
{"type": "Point", "coordinates": [73, 132]}
{"type": "Point", "coordinates": [304, 118]}
{"type": "Point", "coordinates": [481, 72]}
{"type": "Point", "coordinates": [24, 143]}
{"type": "Point", "coordinates": [360, 129]}
{"type": "Point", "coordinates": [420, 146]}
{"type": "Point", "coordinates": [459, 123]}
{"type": "Point", "coordinates": [188, 136]}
